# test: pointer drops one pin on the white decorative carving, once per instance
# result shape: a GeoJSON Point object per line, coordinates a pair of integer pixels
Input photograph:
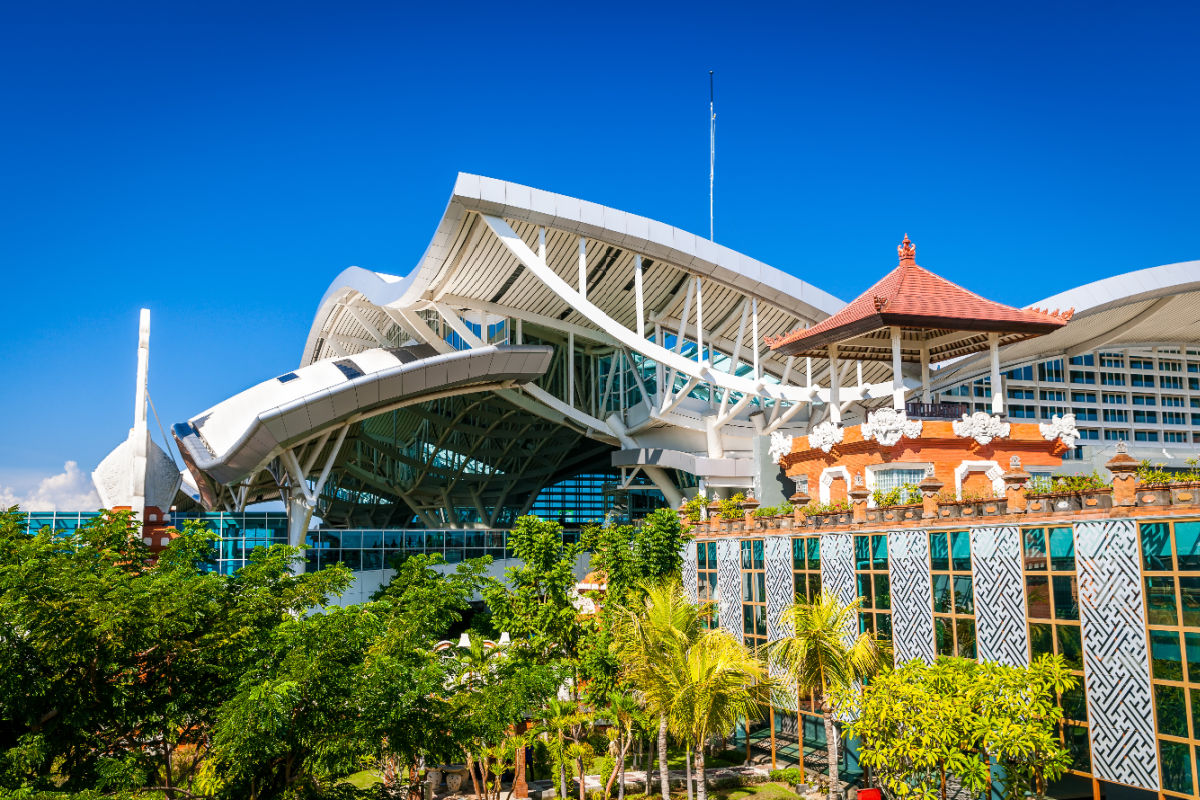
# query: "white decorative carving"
{"type": "Point", "coordinates": [780, 446]}
{"type": "Point", "coordinates": [981, 426]}
{"type": "Point", "coordinates": [1060, 428]}
{"type": "Point", "coordinates": [887, 426]}
{"type": "Point", "coordinates": [826, 435]}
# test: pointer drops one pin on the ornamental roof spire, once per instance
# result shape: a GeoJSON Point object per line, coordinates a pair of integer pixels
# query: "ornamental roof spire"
{"type": "Point", "coordinates": [907, 251]}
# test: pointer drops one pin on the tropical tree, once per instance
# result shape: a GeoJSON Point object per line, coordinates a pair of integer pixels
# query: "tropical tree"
{"type": "Point", "coordinates": [653, 637]}
{"type": "Point", "coordinates": [625, 712]}
{"type": "Point", "coordinates": [821, 655]}
{"type": "Point", "coordinates": [719, 683]}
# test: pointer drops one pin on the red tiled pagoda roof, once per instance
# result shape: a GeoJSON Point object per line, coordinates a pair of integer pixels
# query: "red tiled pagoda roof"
{"type": "Point", "coordinates": [911, 296]}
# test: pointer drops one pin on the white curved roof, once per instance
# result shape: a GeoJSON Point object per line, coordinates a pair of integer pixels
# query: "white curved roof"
{"type": "Point", "coordinates": [1158, 305]}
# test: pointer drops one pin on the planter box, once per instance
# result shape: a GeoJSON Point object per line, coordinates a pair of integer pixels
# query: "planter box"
{"type": "Point", "coordinates": [992, 508]}
{"type": "Point", "coordinates": [1185, 494]}
{"type": "Point", "coordinates": [1153, 495]}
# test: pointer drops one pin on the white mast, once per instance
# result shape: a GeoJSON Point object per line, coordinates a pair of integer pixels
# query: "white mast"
{"type": "Point", "coordinates": [140, 435]}
{"type": "Point", "coordinates": [712, 152]}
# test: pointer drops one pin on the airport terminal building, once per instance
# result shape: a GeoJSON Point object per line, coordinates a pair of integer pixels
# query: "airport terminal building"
{"type": "Point", "coordinates": [550, 355]}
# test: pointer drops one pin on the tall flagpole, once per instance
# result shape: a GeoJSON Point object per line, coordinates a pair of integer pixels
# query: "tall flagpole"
{"type": "Point", "coordinates": [712, 152]}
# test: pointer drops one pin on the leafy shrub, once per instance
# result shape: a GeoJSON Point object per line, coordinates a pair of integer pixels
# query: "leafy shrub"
{"type": "Point", "coordinates": [694, 505]}
{"type": "Point", "coordinates": [791, 775]}
{"type": "Point", "coordinates": [899, 496]}
{"type": "Point", "coordinates": [783, 510]}
{"type": "Point", "coordinates": [825, 508]}
{"type": "Point", "coordinates": [731, 507]}
{"type": "Point", "coordinates": [1053, 484]}
{"type": "Point", "coordinates": [1158, 475]}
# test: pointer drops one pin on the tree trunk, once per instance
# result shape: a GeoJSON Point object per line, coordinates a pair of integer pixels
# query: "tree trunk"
{"type": "Point", "coordinates": [663, 779]}
{"type": "Point", "coordinates": [621, 788]}
{"type": "Point", "coordinates": [942, 774]}
{"type": "Point", "coordinates": [687, 770]}
{"type": "Point", "coordinates": [562, 768]}
{"type": "Point", "coordinates": [701, 780]}
{"type": "Point", "coordinates": [474, 780]}
{"type": "Point", "coordinates": [582, 788]}
{"type": "Point", "coordinates": [832, 744]}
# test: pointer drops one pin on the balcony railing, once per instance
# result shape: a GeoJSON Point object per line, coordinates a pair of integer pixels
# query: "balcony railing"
{"type": "Point", "coordinates": [936, 410]}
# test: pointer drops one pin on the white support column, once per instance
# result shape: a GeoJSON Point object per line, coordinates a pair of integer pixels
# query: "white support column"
{"type": "Point", "coordinates": [571, 369]}
{"type": "Point", "coordinates": [926, 393]}
{"type": "Point", "coordinates": [997, 389]}
{"type": "Point", "coordinates": [897, 375]}
{"type": "Point", "coordinates": [754, 335]}
{"type": "Point", "coordinates": [637, 295]}
{"type": "Point", "coordinates": [583, 267]}
{"type": "Point", "coordinates": [520, 331]}
{"type": "Point", "coordinates": [835, 402]}
{"type": "Point", "coordinates": [658, 367]}
{"type": "Point", "coordinates": [699, 323]}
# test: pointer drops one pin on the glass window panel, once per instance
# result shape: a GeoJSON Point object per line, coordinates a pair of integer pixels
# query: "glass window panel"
{"type": "Point", "coordinates": [1037, 592]}
{"type": "Point", "coordinates": [1035, 548]}
{"type": "Point", "coordinates": [1041, 639]}
{"type": "Point", "coordinates": [864, 590]}
{"type": "Point", "coordinates": [944, 635]}
{"type": "Point", "coordinates": [1077, 745]}
{"type": "Point", "coordinates": [879, 552]}
{"type": "Point", "coordinates": [1175, 759]}
{"type": "Point", "coordinates": [939, 552]}
{"type": "Point", "coordinates": [866, 622]}
{"type": "Point", "coordinates": [1169, 710]}
{"type": "Point", "coordinates": [941, 593]}
{"type": "Point", "coordinates": [1073, 703]}
{"type": "Point", "coordinates": [352, 559]}
{"type": "Point", "coordinates": [1196, 713]}
{"type": "Point", "coordinates": [964, 598]}
{"type": "Point", "coordinates": [748, 618]}
{"type": "Point", "coordinates": [712, 554]}
{"type": "Point", "coordinates": [883, 623]}
{"type": "Point", "coordinates": [965, 630]}
{"type": "Point", "coordinates": [760, 620]}
{"type": "Point", "coordinates": [1166, 660]}
{"type": "Point", "coordinates": [1191, 645]}
{"type": "Point", "coordinates": [883, 593]}
{"type": "Point", "coordinates": [960, 550]}
{"type": "Point", "coordinates": [1156, 546]}
{"type": "Point", "coordinates": [1069, 645]}
{"type": "Point", "coordinates": [373, 559]}
{"type": "Point", "coordinates": [1062, 549]}
{"type": "Point", "coordinates": [862, 552]}
{"type": "Point", "coordinates": [1187, 545]}
{"type": "Point", "coordinates": [1066, 597]}
{"type": "Point", "coordinates": [747, 587]}
{"type": "Point", "coordinates": [1189, 599]}
{"type": "Point", "coordinates": [758, 554]}
{"type": "Point", "coordinates": [814, 586]}
{"type": "Point", "coordinates": [1160, 600]}
{"type": "Point", "coordinates": [747, 562]}
{"type": "Point", "coordinates": [760, 585]}
{"type": "Point", "coordinates": [797, 554]}
{"type": "Point", "coordinates": [814, 553]}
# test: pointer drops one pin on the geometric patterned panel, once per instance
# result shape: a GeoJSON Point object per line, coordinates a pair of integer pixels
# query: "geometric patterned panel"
{"type": "Point", "coordinates": [1115, 658]}
{"type": "Point", "coordinates": [1002, 634]}
{"type": "Point", "coordinates": [689, 572]}
{"type": "Point", "coordinates": [837, 573]}
{"type": "Point", "coordinates": [781, 593]}
{"type": "Point", "coordinates": [729, 587]}
{"type": "Point", "coordinates": [912, 596]}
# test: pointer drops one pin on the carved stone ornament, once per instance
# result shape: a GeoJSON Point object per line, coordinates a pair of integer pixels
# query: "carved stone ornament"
{"type": "Point", "coordinates": [826, 435]}
{"type": "Point", "coordinates": [981, 426]}
{"type": "Point", "coordinates": [887, 426]}
{"type": "Point", "coordinates": [780, 446]}
{"type": "Point", "coordinates": [1060, 428]}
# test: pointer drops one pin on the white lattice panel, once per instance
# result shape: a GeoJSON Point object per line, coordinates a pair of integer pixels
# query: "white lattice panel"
{"type": "Point", "coordinates": [837, 572]}
{"type": "Point", "coordinates": [1115, 657]}
{"type": "Point", "coordinates": [729, 587]}
{"type": "Point", "coordinates": [1001, 629]}
{"type": "Point", "coordinates": [689, 572]}
{"type": "Point", "coordinates": [912, 596]}
{"type": "Point", "coordinates": [781, 593]}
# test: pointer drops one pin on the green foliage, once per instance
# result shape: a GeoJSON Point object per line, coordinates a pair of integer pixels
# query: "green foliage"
{"type": "Point", "coordinates": [428, 600]}
{"type": "Point", "coordinates": [899, 496]}
{"type": "Point", "coordinates": [693, 507]}
{"type": "Point", "coordinates": [919, 723]}
{"type": "Point", "coordinates": [114, 666]}
{"type": "Point", "coordinates": [981, 496]}
{"type": "Point", "coordinates": [731, 507]}
{"type": "Point", "coordinates": [825, 508]}
{"type": "Point", "coordinates": [534, 605]}
{"type": "Point", "coordinates": [1159, 475]}
{"type": "Point", "coordinates": [790, 775]}
{"type": "Point", "coordinates": [782, 510]}
{"type": "Point", "coordinates": [1052, 484]}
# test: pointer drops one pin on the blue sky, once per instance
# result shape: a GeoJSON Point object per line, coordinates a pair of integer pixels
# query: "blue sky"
{"type": "Point", "coordinates": [220, 163]}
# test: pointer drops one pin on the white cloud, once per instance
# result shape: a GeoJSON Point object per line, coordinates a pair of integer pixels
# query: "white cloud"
{"type": "Point", "coordinates": [69, 490]}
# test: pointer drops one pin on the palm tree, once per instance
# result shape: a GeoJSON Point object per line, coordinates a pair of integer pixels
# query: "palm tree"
{"type": "Point", "coordinates": [624, 710]}
{"type": "Point", "coordinates": [822, 655]}
{"type": "Point", "coordinates": [719, 684]}
{"type": "Point", "coordinates": [649, 636]}
{"type": "Point", "coordinates": [559, 718]}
